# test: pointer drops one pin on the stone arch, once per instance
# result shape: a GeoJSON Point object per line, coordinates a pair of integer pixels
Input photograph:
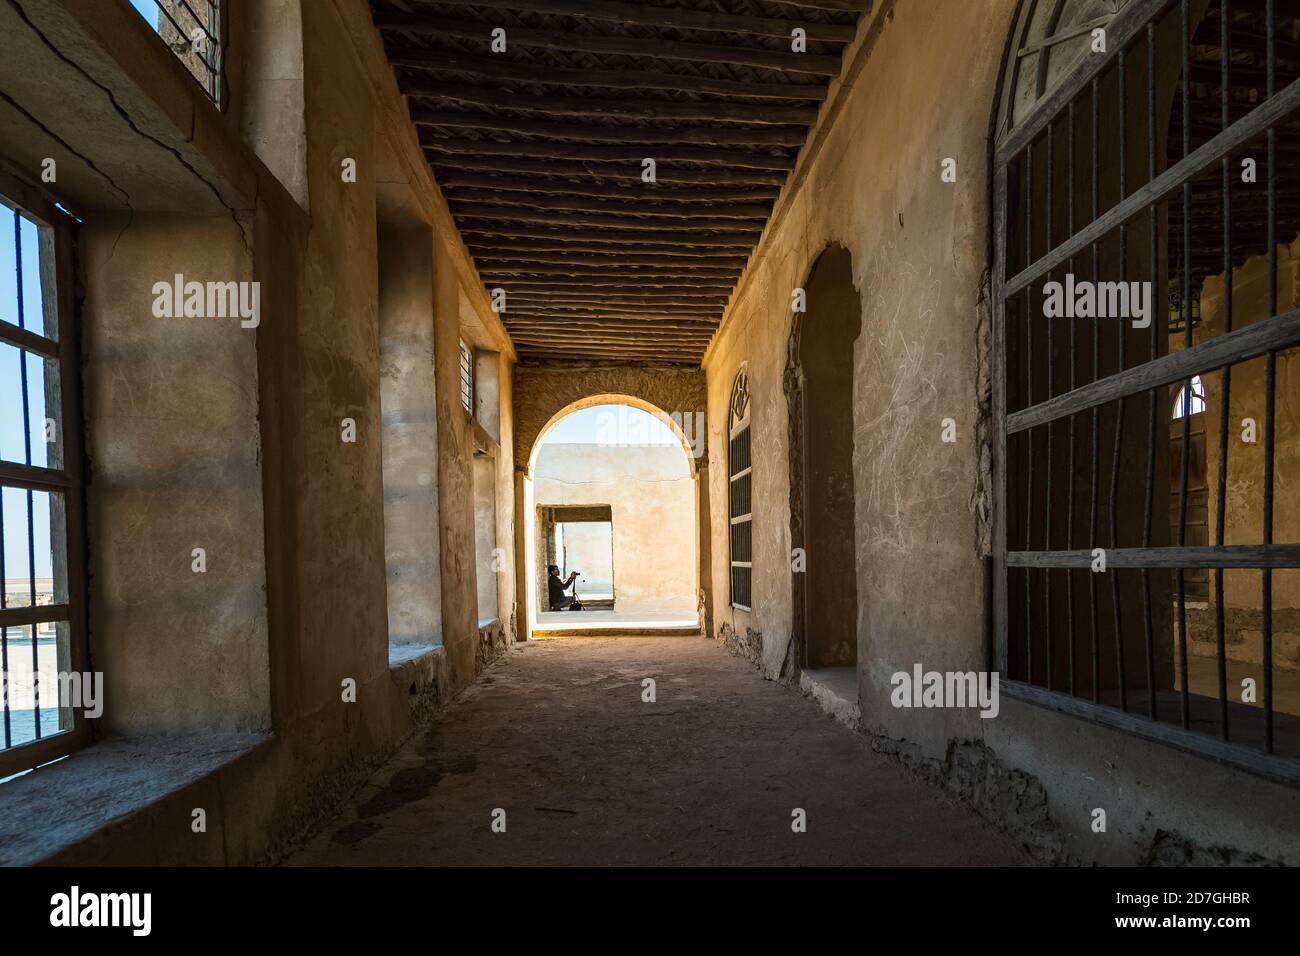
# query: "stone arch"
{"type": "Point", "coordinates": [610, 398]}
{"type": "Point", "coordinates": [544, 396]}
{"type": "Point", "coordinates": [543, 393]}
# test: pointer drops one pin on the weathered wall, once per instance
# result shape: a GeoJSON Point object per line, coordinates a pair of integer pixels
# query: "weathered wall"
{"type": "Point", "coordinates": [410, 436]}
{"type": "Point", "coordinates": [485, 536]}
{"type": "Point", "coordinates": [205, 434]}
{"type": "Point", "coordinates": [652, 499]}
{"type": "Point", "coordinates": [588, 548]}
{"type": "Point", "coordinates": [922, 91]}
{"type": "Point", "coordinates": [1243, 518]}
{"type": "Point", "coordinates": [918, 249]}
{"type": "Point", "coordinates": [160, 488]}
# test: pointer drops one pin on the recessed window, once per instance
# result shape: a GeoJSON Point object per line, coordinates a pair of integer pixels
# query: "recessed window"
{"type": "Point", "coordinates": [42, 627]}
{"type": "Point", "coordinates": [739, 476]}
{"type": "Point", "coordinates": [192, 28]}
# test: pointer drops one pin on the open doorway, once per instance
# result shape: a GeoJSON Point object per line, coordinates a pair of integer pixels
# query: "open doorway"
{"type": "Point", "coordinates": [580, 541]}
{"type": "Point", "coordinates": [821, 468]}
{"type": "Point", "coordinates": [614, 499]}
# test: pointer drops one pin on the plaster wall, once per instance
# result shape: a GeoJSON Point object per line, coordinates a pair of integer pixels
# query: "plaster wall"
{"type": "Point", "coordinates": [410, 437]}
{"type": "Point", "coordinates": [160, 488]}
{"type": "Point", "coordinates": [918, 249]}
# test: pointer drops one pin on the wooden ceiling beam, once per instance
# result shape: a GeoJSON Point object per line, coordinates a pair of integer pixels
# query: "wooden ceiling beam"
{"type": "Point", "coordinates": [548, 274]}
{"type": "Point", "coordinates": [613, 336]}
{"type": "Point", "coordinates": [642, 14]}
{"type": "Point", "coordinates": [543, 342]}
{"type": "Point", "coordinates": [498, 68]}
{"type": "Point", "coordinates": [610, 280]}
{"type": "Point", "coordinates": [665, 306]}
{"type": "Point", "coordinates": [662, 154]}
{"type": "Point", "coordinates": [555, 264]}
{"type": "Point", "coordinates": [596, 318]}
{"type": "Point", "coordinates": [643, 192]}
{"type": "Point", "coordinates": [644, 325]}
{"type": "Point", "coordinates": [615, 284]}
{"type": "Point", "coordinates": [651, 136]}
{"type": "Point", "coordinates": [624, 353]}
{"type": "Point", "coordinates": [643, 207]}
{"type": "Point", "coordinates": [597, 310]}
{"type": "Point", "coordinates": [612, 330]}
{"type": "Point", "coordinates": [712, 111]}
{"type": "Point", "coordinates": [636, 292]}
{"type": "Point", "coordinates": [597, 172]}
{"type": "Point", "coordinates": [659, 48]}
{"type": "Point", "coordinates": [835, 6]}
{"type": "Point", "coordinates": [543, 250]}
{"type": "Point", "coordinates": [750, 225]}
{"type": "Point", "coordinates": [578, 364]}
{"type": "Point", "coordinates": [612, 237]}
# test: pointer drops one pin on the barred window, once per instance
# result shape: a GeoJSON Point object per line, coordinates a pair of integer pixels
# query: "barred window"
{"type": "Point", "coordinates": [739, 473]}
{"type": "Point", "coordinates": [42, 548]}
{"type": "Point", "coordinates": [467, 378]}
{"type": "Point", "coordinates": [1147, 260]}
{"type": "Point", "coordinates": [192, 29]}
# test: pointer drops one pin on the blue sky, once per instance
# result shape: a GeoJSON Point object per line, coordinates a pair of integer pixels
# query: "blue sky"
{"type": "Point", "coordinates": [149, 10]}
{"type": "Point", "coordinates": [594, 424]}
{"type": "Point", "coordinates": [12, 444]}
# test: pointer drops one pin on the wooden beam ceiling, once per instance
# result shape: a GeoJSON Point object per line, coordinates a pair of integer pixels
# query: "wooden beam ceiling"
{"type": "Point", "coordinates": [540, 149]}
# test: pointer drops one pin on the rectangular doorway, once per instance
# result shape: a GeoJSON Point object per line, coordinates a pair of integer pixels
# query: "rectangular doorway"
{"type": "Point", "coordinates": [580, 539]}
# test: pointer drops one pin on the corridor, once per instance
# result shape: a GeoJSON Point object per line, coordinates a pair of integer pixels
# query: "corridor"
{"type": "Point", "coordinates": [557, 735]}
{"type": "Point", "coordinates": [936, 362]}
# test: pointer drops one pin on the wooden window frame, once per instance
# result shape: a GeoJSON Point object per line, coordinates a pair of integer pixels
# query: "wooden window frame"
{"type": "Point", "coordinates": [60, 228]}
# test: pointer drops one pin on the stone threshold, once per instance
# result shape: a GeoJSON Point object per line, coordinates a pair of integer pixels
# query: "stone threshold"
{"type": "Point", "coordinates": [836, 690]}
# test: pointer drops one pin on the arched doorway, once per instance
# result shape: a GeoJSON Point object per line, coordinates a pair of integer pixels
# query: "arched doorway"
{"type": "Point", "coordinates": [819, 384]}
{"type": "Point", "coordinates": [611, 492]}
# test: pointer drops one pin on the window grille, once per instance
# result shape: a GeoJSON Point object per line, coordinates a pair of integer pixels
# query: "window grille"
{"type": "Point", "coordinates": [192, 29]}
{"type": "Point", "coordinates": [467, 378]}
{"type": "Point", "coordinates": [1162, 158]}
{"type": "Point", "coordinates": [740, 483]}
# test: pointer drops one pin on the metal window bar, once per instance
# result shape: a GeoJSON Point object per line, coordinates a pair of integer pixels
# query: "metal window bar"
{"type": "Point", "coordinates": [207, 65]}
{"type": "Point", "coordinates": [1014, 156]}
{"type": "Point", "coordinates": [739, 494]}
{"type": "Point", "coordinates": [466, 378]}
{"type": "Point", "coordinates": [740, 508]}
{"type": "Point", "coordinates": [59, 478]}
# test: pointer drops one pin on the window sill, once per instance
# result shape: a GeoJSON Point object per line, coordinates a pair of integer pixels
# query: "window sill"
{"type": "Point", "coordinates": [402, 654]}
{"type": "Point", "coordinates": [56, 807]}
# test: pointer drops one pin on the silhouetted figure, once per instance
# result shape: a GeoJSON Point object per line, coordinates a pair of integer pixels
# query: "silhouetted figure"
{"type": "Point", "coordinates": [555, 589]}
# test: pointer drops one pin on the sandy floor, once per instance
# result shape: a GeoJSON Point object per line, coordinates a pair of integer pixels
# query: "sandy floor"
{"type": "Point", "coordinates": [557, 736]}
